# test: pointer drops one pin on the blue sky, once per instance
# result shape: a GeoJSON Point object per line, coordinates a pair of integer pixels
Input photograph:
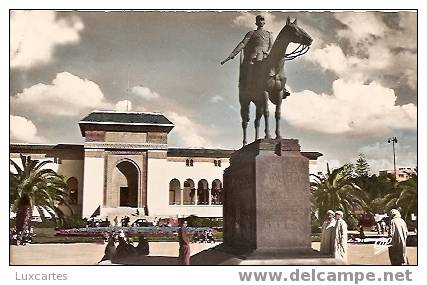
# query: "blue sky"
{"type": "Point", "coordinates": [355, 87]}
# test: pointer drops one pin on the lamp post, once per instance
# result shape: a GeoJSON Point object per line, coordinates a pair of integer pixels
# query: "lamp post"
{"type": "Point", "coordinates": [393, 141]}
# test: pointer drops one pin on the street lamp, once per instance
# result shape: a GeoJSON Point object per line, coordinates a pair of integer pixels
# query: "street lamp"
{"type": "Point", "coordinates": [393, 141]}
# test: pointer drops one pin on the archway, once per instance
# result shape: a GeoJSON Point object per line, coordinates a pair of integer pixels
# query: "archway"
{"type": "Point", "coordinates": [202, 192]}
{"type": "Point", "coordinates": [125, 180]}
{"type": "Point", "coordinates": [73, 190]}
{"type": "Point", "coordinates": [189, 192]}
{"type": "Point", "coordinates": [216, 192]}
{"type": "Point", "coordinates": [174, 192]}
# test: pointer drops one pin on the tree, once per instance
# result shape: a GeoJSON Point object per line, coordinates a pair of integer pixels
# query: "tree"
{"type": "Point", "coordinates": [362, 167]}
{"type": "Point", "coordinates": [32, 186]}
{"type": "Point", "coordinates": [403, 197]}
{"type": "Point", "coordinates": [337, 191]}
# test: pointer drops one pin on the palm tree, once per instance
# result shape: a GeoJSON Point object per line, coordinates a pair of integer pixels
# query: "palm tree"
{"type": "Point", "coordinates": [31, 186]}
{"type": "Point", "coordinates": [404, 197]}
{"type": "Point", "coordinates": [337, 191]}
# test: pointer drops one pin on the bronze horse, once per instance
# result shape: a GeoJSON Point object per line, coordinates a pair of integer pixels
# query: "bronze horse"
{"type": "Point", "coordinates": [267, 79]}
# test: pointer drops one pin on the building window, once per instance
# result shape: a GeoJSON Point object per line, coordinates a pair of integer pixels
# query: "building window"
{"type": "Point", "coordinates": [174, 192]}
{"type": "Point", "coordinates": [202, 193]}
{"type": "Point", "coordinates": [189, 192]}
{"type": "Point", "coordinates": [73, 190]}
{"type": "Point", "coordinates": [216, 192]}
{"type": "Point", "coordinates": [188, 162]}
{"type": "Point", "coordinates": [217, 163]}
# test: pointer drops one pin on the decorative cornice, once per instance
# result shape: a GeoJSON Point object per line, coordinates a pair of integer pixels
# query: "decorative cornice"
{"type": "Point", "coordinates": [106, 145]}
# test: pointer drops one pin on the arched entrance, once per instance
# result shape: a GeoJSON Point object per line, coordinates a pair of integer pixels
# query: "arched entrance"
{"type": "Point", "coordinates": [174, 192]}
{"type": "Point", "coordinates": [202, 192]}
{"type": "Point", "coordinates": [216, 192]}
{"type": "Point", "coordinates": [189, 192]}
{"type": "Point", "coordinates": [73, 190]}
{"type": "Point", "coordinates": [126, 182]}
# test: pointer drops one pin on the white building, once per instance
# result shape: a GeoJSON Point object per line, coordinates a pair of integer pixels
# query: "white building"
{"type": "Point", "coordinates": [402, 173]}
{"type": "Point", "coordinates": [125, 164]}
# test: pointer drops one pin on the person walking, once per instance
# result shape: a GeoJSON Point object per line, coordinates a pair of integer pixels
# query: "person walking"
{"type": "Point", "coordinates": [340, 245]}
{"type": "Point", "coordinates": [184, 244]}
{"type": "Point", "coordinates": [327, 236]}
{"type": "Point", "coordinates": [398, 233]}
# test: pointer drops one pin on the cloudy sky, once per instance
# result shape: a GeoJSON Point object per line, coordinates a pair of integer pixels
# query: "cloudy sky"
{"type": "Point", "coordinates": [356, 87]}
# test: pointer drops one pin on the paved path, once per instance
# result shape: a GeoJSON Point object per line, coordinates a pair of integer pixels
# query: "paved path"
{"type": "Point", "coordinates": [161, 253]}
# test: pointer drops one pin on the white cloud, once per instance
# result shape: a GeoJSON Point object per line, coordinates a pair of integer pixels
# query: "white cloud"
{"type": "Point", "coordinates": [361, 26]}
{"type": "Point", "coordinates": [216, 99]}
{"type": "Point", "coordinates": [67, 95]}
{"type": "Point", "coordinates": [330, 57]}
{"type": "Point", "coordinates": [187, 132]}
{"type": "Point", "coordinates": [145, 93]}
{"type": "Point", "coordinates": [124, 105]}
{"type": "Point", "coordinates": [23, 130]}
{"type": "Point", "coordinates": [35, 34]}
{"type": "Point", "coordinates": [374, 50]}
{"type": "Point", "coordinates": [354, 108]}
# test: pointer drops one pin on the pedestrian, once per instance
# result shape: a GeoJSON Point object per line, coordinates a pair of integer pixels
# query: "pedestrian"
{"type": "Point", "coordinates": [398, 233]}
{"type": "Point", "coordinates": [110, 250]}
{"type": "Point", "coordinates": [362, 235]}
{"type": "Point", "coordinates": [184, 244]}
{"type": "Point", "coordinates": [327, 236]}
{"type": "Point", "coordinates": [143, 247]}
{"type": "Point", "coordinates": [340, 245]}
{"type": "Point", "coordinates": [116, 221]}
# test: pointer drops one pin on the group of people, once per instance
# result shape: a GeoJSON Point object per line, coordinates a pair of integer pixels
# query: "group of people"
{"type": "Point", "coordinates": [124, 221]}
{"type": "Point", "coordinates": [381, 227]}
{"type": "Point", "coordinates": [203, 236]}
{"type": "Point", "coordinates": [333, 238]}
{"type": "Point", "coordinates": [125, 247]}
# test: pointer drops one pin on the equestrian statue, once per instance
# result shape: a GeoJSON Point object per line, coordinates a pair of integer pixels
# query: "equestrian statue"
{"type": "Point", "coordinates": [262, 75]}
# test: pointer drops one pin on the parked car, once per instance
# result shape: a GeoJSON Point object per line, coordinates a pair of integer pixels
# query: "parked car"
{"type": "Point", "coordinates": [142, 223]}
{"type": "Point", "coordinates": [36, 219]}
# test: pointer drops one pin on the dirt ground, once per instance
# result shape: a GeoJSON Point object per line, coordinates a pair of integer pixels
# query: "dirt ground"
{"type": "Point", "coordinates": [91, 253]}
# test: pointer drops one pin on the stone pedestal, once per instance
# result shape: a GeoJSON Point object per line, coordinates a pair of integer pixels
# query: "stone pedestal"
{"type": "Point", "coordinates": [266, 205]}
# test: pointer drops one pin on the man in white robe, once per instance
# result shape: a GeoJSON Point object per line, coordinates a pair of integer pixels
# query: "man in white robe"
{"type": "Point", "coordinates": [398, 233]}
{"type": "Point", "coordinates": [327, 236]}
{"type": "Point", "coordinates": [340, 245]}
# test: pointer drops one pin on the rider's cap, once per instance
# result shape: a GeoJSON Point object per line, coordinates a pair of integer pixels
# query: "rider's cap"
{"type": "Point", "coordinates": [259, 17]}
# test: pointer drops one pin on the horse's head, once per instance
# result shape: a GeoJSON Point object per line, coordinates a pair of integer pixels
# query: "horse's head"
{"type": "Point", "coordinates": [290, 33]}
{"type": "Point", "coordinates": [296, 34]}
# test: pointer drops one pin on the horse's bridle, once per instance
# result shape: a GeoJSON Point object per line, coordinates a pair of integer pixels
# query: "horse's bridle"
{"type": "Point", "coordinates": [300, 50]}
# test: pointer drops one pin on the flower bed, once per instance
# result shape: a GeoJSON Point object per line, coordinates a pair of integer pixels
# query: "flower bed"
{"type": "Point", "coordinates": [129, 231]}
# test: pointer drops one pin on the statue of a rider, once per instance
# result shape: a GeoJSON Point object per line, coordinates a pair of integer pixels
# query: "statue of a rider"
{"type": "Point", "coordinates": [256, 46]}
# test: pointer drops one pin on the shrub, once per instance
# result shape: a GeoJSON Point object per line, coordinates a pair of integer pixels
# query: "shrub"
{"type": "Point", "coordinates": [315, 225]}
{"type": "Point", "coordinates": [74, 221]}
{"type": "Point", "coordinates": [197, 222]}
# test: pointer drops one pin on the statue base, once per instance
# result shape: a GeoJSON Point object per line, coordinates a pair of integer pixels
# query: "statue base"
{"type": "Point", "coordinates": [267, 200]}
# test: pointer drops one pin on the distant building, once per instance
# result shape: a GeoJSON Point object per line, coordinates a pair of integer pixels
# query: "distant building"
{"type": "Point", "coordinates": [402, 173]}
{"type": "Point", "coordinates": [125, 164]}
